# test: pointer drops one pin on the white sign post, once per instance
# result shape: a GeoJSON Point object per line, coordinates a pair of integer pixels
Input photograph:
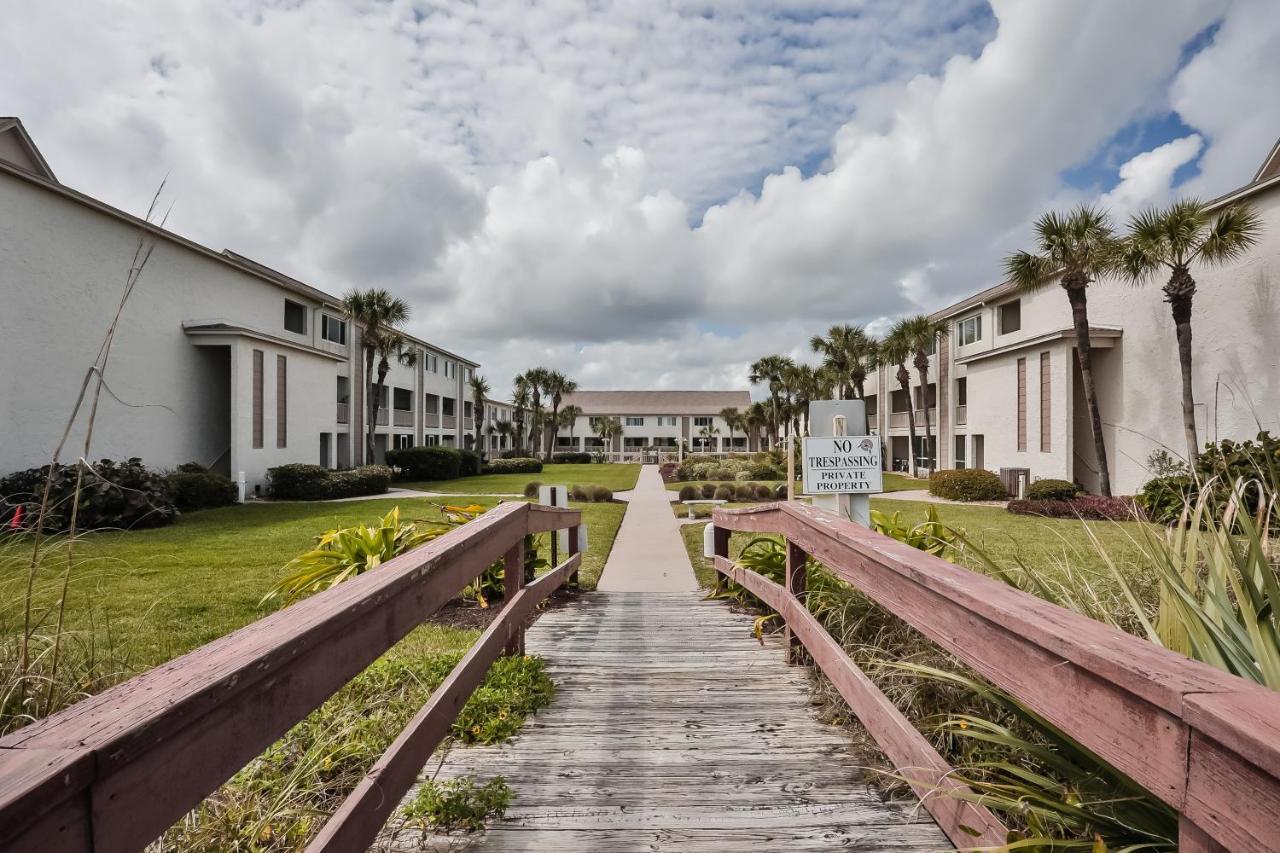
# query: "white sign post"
{"type": "Point", "coordinates": [842, 471]}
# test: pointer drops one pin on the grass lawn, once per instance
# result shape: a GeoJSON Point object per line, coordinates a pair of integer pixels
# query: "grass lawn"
{"type": "Point", "coordinates": [616, 476]}
{"type": "Point", "coordinates": [892, 483]}
{"type": "Point", "coordinates": [1050, 545]}
{"type": "Point", "coordinates": [160, 593]}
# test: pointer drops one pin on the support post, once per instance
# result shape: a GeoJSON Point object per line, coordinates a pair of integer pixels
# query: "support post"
{"type": "Point", "coordinates": [573, 549]}
{"type": "Point", "coordinates": [512, 583]}
{"type": "Point", "coordinates": [848, 418]}
{"type": "Point", "coordinates": [791, 469]}
{"type": "Point", "coordinates": [1193, 839]}
{"type": "Point", "coordinates": [797, 583]}
{"type": "Point", "coordinates": [720, 544]}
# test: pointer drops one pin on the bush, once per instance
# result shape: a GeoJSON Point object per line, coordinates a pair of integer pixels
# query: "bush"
{"type": "Point", "coordinates": [195, 487]}
{"type": "Point", "coordinates": [470, 463]}
{"type": "Point", "coordinates": [426, 463]}
{"type": "Point", "coordinates": [723, 493]}
{"type": "Point", "coordinates": [1086, 507]}
{"type": "Point", "coordinates": [765, 471]}
{"type": "Point", "coordinates": [1163, 498]}
{"type": "Point", "coordinates": [708, 491]}
{"type": "Point", "coordinates": [458, 804]}
{"type": "Point", "coordinates": [968, 484]}
{"type": "Point", "coordinates": [1051, 490]}
{"type": "Point", "coordinates": [690, 493]}
{"type": "Point", "coordinates": [601, 494]}
{"type": "Point", "coordinates": [780, 492]}
{"type": "Point", "coordinates": [572, 458]}
{"type": "Point", "coordinates": [764, 493]}
{"type": "Point", "coordinates": [515, 465]}
{"type": "Point", "coordinates": [123, 494]}
{"type": "Point", "coordinates": [668, 472]}
{"type": "Point", "coordinates": [579, 493]}
{"type": "Point", "coordinates": [299, 482]}
{"type": "Point", "coordinates": [531, 489]}
{"type": "Point", "coordinates": [744, 492]}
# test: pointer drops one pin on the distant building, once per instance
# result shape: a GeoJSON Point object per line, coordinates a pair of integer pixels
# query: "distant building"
{"type": "Point", "coordinates": [218, 359]}
{"type": "Point", "coordinates": [658, 420]}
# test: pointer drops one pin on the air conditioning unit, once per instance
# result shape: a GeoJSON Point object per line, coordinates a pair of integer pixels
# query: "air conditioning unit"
{"type": "Point", "coordinates": [1016, 481]}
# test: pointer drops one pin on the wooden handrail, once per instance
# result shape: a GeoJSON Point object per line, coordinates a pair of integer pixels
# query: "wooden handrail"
{"type": "Point", "coordinates": [113, 772]}
{"type": "Point", "coordinates": [1202, 740]}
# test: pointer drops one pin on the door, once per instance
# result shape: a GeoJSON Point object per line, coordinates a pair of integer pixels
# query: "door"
{"type": "Point", "coordinates": [979, 457]}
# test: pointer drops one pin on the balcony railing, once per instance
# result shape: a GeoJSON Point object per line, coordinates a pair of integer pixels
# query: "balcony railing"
{"type": "Point", "coordinates": [403, 418]}
{"type": "Point", "coordinates": [898, 420]}
{"type": "Point", "coordinates": [432, 421]}
{"type": "Point", "coordinates": [962, 415]}
{"type": "Point", "coordinates": [449, 421]}
{"type": "Point", "coordinates": [383, 417]}
{"type": "Point", "coordinates": [468, 423]}
{"type": "Point", "coordinates": [344, 413]}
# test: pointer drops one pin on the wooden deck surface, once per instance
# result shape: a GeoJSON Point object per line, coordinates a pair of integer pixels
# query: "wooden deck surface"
{"type": "Point", "coordinates": [672, 729]}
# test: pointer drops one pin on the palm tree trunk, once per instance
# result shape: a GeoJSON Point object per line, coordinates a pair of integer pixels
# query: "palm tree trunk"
{"type": "Point", "coordinates": [924, 405]}
{"type": "Point", "coordinates": [1080, 318]}
{"type": "Point", "coordinates": [904, 380]}
{"type": "Point", "coordinates": [383, 369]}
{"type": "Point", "coordinates": [555, 429]}
{"type": "Point", "coordinates": [1179, 293]}
{"type": "Point", "coordinates": [371, 405]}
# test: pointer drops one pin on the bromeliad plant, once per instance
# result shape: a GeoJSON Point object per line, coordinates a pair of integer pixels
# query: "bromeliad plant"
{"type": "Point", "coordinates": [346, 552]}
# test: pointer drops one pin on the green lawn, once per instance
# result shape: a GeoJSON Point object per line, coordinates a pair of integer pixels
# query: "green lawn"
{"type": "Point", "coordinates": [616, 476]}
{"type": "Point", "coordinates": [892, 483]}
{"type": "Point", "coordinates": [160, 593]}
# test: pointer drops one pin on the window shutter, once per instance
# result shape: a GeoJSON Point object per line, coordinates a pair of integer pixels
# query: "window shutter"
{"type": "Point", "coordinates": [257, 398]}
{"type": "Point", "coordinates": [282, 402]}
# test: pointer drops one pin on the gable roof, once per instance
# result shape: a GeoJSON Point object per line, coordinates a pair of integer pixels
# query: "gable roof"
{"type": "Point", "coordinates": [1270, 167]}
{"type": "Point", "coordinates": [18, 149]}
{"type": "Point", "coordinates": [656, 402]}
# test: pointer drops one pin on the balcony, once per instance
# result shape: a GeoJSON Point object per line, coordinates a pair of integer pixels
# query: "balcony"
{"type": "Point", "coordinates": [432, 421]}
{"type": "Point", "coordinates": [898, 420]}
{"type": "Point", "coordinates": [403, 418]}
{"type": "Point", "coordinates": [383, 417]}
{"type": "Point", "coordinates": [468, 424]}
{"type": "Point", "coordinates": [449, 421]}
{"type": "Point", "coordinates": [962, 415]}
{"type": "Point", "coordinates": [344, 413]}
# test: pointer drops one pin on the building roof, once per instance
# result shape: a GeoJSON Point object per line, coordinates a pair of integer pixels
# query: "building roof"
{"type": "Point", "coordinates": [19, 149]}
{"type": "Point", "coordinates": [656, 402]}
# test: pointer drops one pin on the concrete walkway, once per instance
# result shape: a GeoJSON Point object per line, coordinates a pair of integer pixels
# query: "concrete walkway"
{"type": "Point", "coordinates": [648, 554]}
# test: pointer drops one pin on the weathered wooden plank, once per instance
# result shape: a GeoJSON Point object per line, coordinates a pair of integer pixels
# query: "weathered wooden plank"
{"type": "Point", "coordinates": [357, 821]}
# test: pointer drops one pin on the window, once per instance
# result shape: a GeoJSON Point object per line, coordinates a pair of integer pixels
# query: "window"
{"type": "Point", "coordinates": [333, 329]}
{"type": "Point", "coordinates": [450, 407]}
{"type": "Point", "coordinates": [432, 403]}
{"type": "Point", "coordinates": [257, 398]}
{"type": "Point", "coordinates": [962, 391]}
{"type": "Point", "coordinates": [1045, 404]}
{"type": "Point", "coordinates": [1022, 405]}
{"type": "Point", "coordinates": [960, 451]}
{"type": "Point", "coordinates": [635, 421]}
{"type": "Point", "coordinates": [450, 369]}
{"type": "Point", "coordinates": [430, 441]}
{"type": "Point", "coordinates": [282, 401]}
{"type": "Point", "coordinates": [403, 399]}
{"type": "Point", "coordinates": [403, 442]}
{"type": "Point", "coordinates": [295, 317]}
{"type": "Point", "coordinates": [466, 408]}
{"type": "Point", "coordinates": [969, 330]}
{"type": "Point", "coordinates": [702, 421]}
{"type": "Point", "coordinates": [1010, 316]}
{"type": "Point", "coordinates": [594, 422]}
{"type": "Point", "coordinates": [469, 374]}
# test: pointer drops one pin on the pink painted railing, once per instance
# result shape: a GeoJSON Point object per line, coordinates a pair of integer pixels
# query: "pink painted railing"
{"type": "Point", "coordinates": [1203, 741]}
{"type": "Point", "coordinates": [113, 772]}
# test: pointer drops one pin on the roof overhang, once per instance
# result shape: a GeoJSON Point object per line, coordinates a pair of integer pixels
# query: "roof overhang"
{"type": "Point", "coordinates": [1101, 337]}
{"type": "Point", "coordinates": [214, 333]}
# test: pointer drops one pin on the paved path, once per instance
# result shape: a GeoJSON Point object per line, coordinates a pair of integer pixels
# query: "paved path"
{"type": "Point", "coordinates": [673, 730]}
{"type": "Point", "coordinates": [648, 554]}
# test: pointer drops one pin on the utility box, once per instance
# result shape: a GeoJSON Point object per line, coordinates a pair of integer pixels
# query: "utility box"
{"type": "Point", "coordinates": [1015, 481]}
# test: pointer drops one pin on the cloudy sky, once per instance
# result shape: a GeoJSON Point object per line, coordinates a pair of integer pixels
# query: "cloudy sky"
{"type": "Point", "coordinates": [647, 193]}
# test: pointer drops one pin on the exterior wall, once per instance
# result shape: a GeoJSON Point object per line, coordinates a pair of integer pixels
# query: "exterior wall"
{"type": "Point", "coordinates": [651, 430]}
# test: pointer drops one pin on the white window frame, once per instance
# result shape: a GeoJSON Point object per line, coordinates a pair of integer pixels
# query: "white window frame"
{"type": "Point", "coordinates": [632, 420]}
{"type": "Point", "coordinates": [704, 421]}
{"type": "Point", "coordinates": [327, 323]}
{"type": "Point", "coordinates": [969, 330]}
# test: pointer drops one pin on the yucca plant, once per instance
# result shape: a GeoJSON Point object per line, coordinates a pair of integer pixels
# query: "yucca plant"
{"type": "Point", "coordinates": [346, 552]}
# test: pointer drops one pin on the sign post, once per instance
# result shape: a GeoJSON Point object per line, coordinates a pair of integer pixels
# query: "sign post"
{"type": "Point", "coordinates": [842, 464]}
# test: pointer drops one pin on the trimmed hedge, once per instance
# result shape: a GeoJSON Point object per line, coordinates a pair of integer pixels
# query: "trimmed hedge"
{"type": "Point", "coordinates": [531, 489]}
{"type": "Point", "coordinates": [193, 486]}
{"type": "Point", "coordinates": [709, 491]}
{"type": "Point", "coordinates": [1086, 507]}
{"type": "Point", "coordinates": [124, 494]}
{"type": "Point", "coordinates": [517, 465]}
{"type": "Point", "coordinates": [723, 493]}
{"type": "Point", "coordinates": [571, 458]}
{"type": "Point", "coordinates": [1051, 490]}
{"type": "Point", "coordinates": [426, 463]}
{"type": "Point", "coordinates": [967, 484]}
{"type": "Point", "coordinates": [299, 482]}
{"type": "Point", "coordinates": [690, 493]}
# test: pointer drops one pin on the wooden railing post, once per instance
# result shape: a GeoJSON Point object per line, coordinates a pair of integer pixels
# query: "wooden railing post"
{"type": "Point", "coordinates": [721, 542]}
{"type": "Point", "coordinates": [512, 583]}
{"type": "Point", "coordinates": [797, 583]}
{"type": "Point", "coordinates": [573, 549]}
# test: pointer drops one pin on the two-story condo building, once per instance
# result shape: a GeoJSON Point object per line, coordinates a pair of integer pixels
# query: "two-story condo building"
{"type": "Point", "coordinates": [658, 419]}
{"type": "Point", "coordinates": [217, 359]}
{"type": "Point", "coordinates": [1005, 388]}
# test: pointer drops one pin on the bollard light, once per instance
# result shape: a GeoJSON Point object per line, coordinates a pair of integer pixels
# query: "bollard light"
{"type": "Point", "coordinates": [709, 541]}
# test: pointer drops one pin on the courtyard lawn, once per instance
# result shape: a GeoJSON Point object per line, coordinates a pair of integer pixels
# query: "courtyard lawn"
{"type": "Point", "coordinates": [892, 483]}
{"type": "Point", "coordinates": [612, 475]}
{"type": "Point", "coordinates": [155, 594]}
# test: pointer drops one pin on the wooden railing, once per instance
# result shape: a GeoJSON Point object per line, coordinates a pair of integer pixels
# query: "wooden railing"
{"type": "Point", "coordinates": [1205, 742]}
{"type": "Point", "coordinates": [113, 772]}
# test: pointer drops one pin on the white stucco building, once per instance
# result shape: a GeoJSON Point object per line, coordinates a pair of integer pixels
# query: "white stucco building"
{"type": "Point", "coordinates": [658, 419]}
{"type": "Point", "coordinates": [1005, 388]}
{"type": "Point", "coordinates": [217, 359]}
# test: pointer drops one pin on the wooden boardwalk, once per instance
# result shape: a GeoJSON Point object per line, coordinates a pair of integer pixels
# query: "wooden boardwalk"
{"type": "Point", "coordinates": [672, 729]}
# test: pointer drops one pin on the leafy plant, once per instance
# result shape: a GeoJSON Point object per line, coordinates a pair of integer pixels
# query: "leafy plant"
{"type": "Point", "coordinates": [426, 463]}
{"type": "Point", "coordinates": [1085, 507]}
{"type": "Point", "coordinates": [531, 489]}
{"type": "Point", "coordinates": [195, 487]}
{"type": "Point", "coordinates": [459, 804]}
{"type": "Point", "coordinates": [1052, 490]}
{"type": "Point", "coordinates": [515, 465]}
{"type": "Point", "coordinates": [931, 535]}
{"type": "Point", "coordinates": [967, 484]}
{"type": "Point", "coordinates": [112, 494]}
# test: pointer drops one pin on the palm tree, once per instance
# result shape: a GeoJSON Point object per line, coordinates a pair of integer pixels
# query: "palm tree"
{"type": "Point", "coordinates": [754, 419]}
{"type": "Point", "coordinates": [897, 348]}
{"type": "Point", "coordinates": [537, 379]}
{"type": "Point", "coordinates": [607, 428]}
{"type": "Point", "coordinates": [377, 313]}
{"type": "Point", "coordinates": [504, 428]}
{"type": "Point", "coordinates": [569, 418]}
{"type": "Point", "coordinates": [847, 354]}
{"type": "Point", "coordinates": [924, 334]}
{"type": "Point", "coordinates": [1077, 248]}
{"type": "Point", "coordinates": [1176, 238]}
{"type": "Point", "coordinates": [708, 433]}
{"type": "Point", "coordinates": [803, 385]}
{"type": "Point", "coordinates": [732, 419]}
{"type": "Point", "coordinates": [521, 399]}
{"type": "Point", "coordinates": [556, 385]}
{"type": "Point", "coordinates": [865, 357]}
{"type": "Point", "coordinates": [479, 393]}
{"type": "Point", "coordinates": [771, 370]}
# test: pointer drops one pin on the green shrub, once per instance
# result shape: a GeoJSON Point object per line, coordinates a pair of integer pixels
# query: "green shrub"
{"type": "Point", "coordinates": [765, 471]}
{"type": "Point", "coordinates": [1085, 507]}
{"type": "Point", "coordinates": [199, 489]}
{"type": "Point", "coordinates": [515, 465]}
{"type": "Point", "coordinates": [572, 458]}
{"type": "Point", "coordinates": [723, 493]}
{"type": "Point", "coordinates": [968, 484]}
{"type": "Point", "coordinates": [744, 492]}
{"type": "Point", "coordinates": [764, 493]}
{"type": "Point", "coordinates": [780, 492]}
{"type": "Point", "coordinates": [299, 482]}
{"type": "Point", "coordinates": [690, 493]}
{"type": "Point", "coordinates": [1164, 498]}
{"type": "Point", "coordinates": [354, 482]}
{"type": "Point", "coordinates": [1051, 490]}
{"type": "Point", "coordinates": [123, 494]}
{"type": "Point", "coordinates": [708, 491]}
{"type": "Point", "coordinates": [458, 804]}
{"type": "Point", "coordinates": [531, 489]}
{"type": "Point", "coordinates": [742, 476]}
{"type": "Point", "coordinates": [579, 493]}
{"type": "Point", "coordinates": [470, 463]}
{"type": "Point", "coordinates": [601, 494]}
{"type": "Point", "coordinates": [426, 463]}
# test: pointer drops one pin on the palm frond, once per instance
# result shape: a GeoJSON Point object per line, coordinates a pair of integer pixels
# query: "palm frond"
{"type": "Point", "coordinates": [1230, 235]}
